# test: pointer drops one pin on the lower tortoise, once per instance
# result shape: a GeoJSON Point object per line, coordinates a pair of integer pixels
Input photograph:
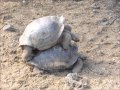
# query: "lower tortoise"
{"type": "Point", "coordinates": [56, 58]}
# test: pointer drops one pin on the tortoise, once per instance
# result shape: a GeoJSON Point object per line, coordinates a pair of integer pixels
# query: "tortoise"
{"type": "Point", "coordinates": [44, 33]}
{"type": "Point", "coordinates": [58, 59]}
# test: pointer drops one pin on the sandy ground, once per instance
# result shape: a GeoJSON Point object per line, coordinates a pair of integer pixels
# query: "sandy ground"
{"type": "Point", "coordinates": [99, 33]}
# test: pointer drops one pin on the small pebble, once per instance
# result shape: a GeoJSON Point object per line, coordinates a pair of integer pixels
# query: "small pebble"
{"type": "Point", "coordinates": [7, 17]}
{"type": "Point", "coordinates": [37, 71]}
{"type": "Point", "coordinates": [95, 11]}
{"type": "Point", "coordinates": [103, 21]}
{"type": "Point", "coordinates": [8, 27]}
{"type": "Point", "coordinates": [73, 76]}
{"type": "Point", "coordinates": [15, 86]}
{"type": "Point", "coordinates": [95, 6]}
{"type": "Point", "coordinates": [25, 2]}
{"type": "Point", "coordinates": [85, 83]}
{"type": "Point", "coordinates": [72, 80]}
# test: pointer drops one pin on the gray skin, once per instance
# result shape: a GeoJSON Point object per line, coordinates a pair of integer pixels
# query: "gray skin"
{"type": "Point", "coordinates": [64, 40]}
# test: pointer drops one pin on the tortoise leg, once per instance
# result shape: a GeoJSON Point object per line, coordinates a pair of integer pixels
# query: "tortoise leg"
{"type": "Point", "coordinates": [27, 53]}
{"type": "Point", "coordinates": [66, 40]}
{"type": "Point", "coordinates": [68, 29]}
{"type": "Point", "coordinates": [78, 66]}
{"type": "Point", "coordinates": [74, 37]}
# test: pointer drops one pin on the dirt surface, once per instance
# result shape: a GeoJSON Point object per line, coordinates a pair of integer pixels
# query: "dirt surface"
{"type": "Point", "coordinates": [97, 26]}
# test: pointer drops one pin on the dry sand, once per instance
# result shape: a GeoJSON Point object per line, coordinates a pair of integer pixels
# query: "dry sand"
{"type": "Point", "coordinates": [99, 33]}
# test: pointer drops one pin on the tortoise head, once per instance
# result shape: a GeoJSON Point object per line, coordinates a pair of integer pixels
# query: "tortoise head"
{"type": "Point", "coordinates": [67, 28]}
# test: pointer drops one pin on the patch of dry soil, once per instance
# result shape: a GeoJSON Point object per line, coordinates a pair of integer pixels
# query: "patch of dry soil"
{"type": "Point", "coordinates": [99, 33]}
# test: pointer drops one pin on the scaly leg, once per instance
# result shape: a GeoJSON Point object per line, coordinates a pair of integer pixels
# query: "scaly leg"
{"type": "Point", "coordinates": [66, 42]}
{"type": "Point", "coordinates": [74, 37]}
{"type": "Point", "coordinates": [27, 53]}
{"type": "Point", "coordinates": [78, 66]}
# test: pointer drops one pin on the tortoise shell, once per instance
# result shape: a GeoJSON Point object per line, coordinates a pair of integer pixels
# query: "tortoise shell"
{"type": "Point", "coordinates": [43, 33]}
{"type": "Point", "coordinates": [55, 58]}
